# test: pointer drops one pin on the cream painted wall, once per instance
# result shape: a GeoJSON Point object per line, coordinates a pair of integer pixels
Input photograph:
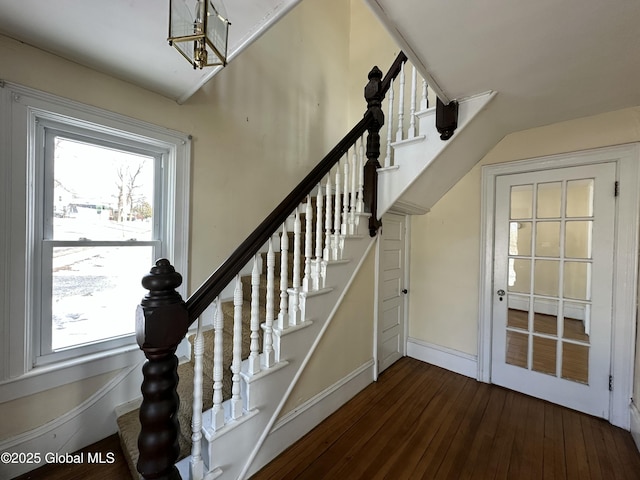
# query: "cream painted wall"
{"type": "Point", "coordinates": [276, 94]}
{"type": "Point", "coordinates": [257, 128]}
{"type": "Point", "coordinates": [369, 45]}
{"type": "Point", "coordinates": [445, 251]}
{"type": "Point", "coordinates": [338, 355]}
{"type": "Point", "coordinates": [347, 343]}
{"type": "Point", "coordinates": [57, 401]}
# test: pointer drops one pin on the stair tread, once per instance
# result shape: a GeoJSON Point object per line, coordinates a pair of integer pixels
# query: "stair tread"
{"type": "Point", "coordinates": [129, 424]}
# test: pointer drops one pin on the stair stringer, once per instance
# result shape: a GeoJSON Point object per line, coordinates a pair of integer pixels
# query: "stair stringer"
{"type": "Point", "coordinates": [231, 451]}
{"type": "Point", "coordinates": [413, 157]}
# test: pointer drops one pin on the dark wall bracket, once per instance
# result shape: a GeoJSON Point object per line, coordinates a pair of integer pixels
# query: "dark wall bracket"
{"type": "Point", "coordinates": [446, 118]}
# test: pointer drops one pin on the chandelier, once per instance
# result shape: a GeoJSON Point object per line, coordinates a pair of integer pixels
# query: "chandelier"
{"type": "Point", "coordinates": [199, 30]}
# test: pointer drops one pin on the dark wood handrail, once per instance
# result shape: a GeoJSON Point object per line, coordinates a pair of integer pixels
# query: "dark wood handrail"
{"type": "Point", "coordinates": [163, 318]}
{"type": "Point", "coordinates": [218, 280]}
{"type": "Point", "coordinates": [213, 286]}
{"type": "Point", "coordinates": [393, 72]}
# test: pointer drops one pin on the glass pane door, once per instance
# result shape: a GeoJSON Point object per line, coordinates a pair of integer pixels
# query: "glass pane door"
{"type": "Point", "coordinates": [552, 277]}
{"type": "Point", "coordinates": [549, 281]}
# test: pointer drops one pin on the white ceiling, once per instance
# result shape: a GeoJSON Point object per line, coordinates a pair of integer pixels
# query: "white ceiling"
{"type": "Point", "coordinates": [549, 60]}
{"type": "Point", "coordinates": [128, 38]}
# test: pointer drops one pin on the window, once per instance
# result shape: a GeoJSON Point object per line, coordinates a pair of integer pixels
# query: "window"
{"type": "Point", "coordinates": [94, 198]}
{"type": "Point", "coordinates": [101, 228]}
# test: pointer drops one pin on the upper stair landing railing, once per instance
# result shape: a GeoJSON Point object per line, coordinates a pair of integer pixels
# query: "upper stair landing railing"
{"type": "Point", "coordinates": [344, 189]}
{"type": "Point", "coordinates": [408, 96]}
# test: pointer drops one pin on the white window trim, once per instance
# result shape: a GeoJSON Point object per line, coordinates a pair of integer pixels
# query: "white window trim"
{"type": "Point", "coordinates": [20, 109]}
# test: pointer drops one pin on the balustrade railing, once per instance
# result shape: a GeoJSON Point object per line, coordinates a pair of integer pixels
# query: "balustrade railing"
{"type": "Point", "coordinates": [312, 224]}
{"type": "Point", "coordinates": [408, 92]}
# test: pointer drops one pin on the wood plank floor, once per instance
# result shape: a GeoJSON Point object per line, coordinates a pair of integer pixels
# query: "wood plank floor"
{"type": "Point", "coordinates": [420, 421]}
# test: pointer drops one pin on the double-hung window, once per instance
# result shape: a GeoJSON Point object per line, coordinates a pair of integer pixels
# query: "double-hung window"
{"type": "Point", "coordinates": [94, 199]}
{"type": "Point", "coordinates": [101, 220]}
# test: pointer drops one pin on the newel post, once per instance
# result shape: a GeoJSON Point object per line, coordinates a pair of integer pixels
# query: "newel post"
{"type": "Point", "coordinates": [162, 322]}
{"type": "Point", "coordinates": [373, 95]}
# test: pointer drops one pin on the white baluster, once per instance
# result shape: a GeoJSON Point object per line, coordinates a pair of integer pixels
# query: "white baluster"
{"type": "Point", "coordinates": [254, 348]}
{"type": "Point", "coordinates": [294, 293]}
{"type": "Point", "coordinates": [308, 245]}
{"type": "Point", "coordinates": [360, 205]}
{"type": "Point", "coordinates": [399, 131]}
{"type": "Point", "coordinates": [345, 196]}
{"type": "Point", "coordinates": [217, 417]}
{"type": "Point", "coordinates": [412, 104]}
{"type": "Point", "coordinates": [359, 174]}
{"type": "Point", "coordinates": [317, 263]}
{"type": "Point", "coordinates": [335, 242]}
{"type": "Point", "coordinates": [269, 354]}
{"type": "Point", "coordinates": [387, 156]}
{"type": "Point", "coordinates": [283, 316]}
{"type": "Point", "coordinates": [354, 174]}
{"type": "Point", "coordinates": [196, 465]}
{"type": "Point", "coordinates": [424, 102]}
{"type": "Point", "coordinates": [236, 400]}
{"type": "Point", "coordinates": [328, 218]}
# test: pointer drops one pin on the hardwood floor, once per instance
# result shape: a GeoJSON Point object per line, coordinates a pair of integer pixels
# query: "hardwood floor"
{"type": "Point", "coordinates": [420, 421]}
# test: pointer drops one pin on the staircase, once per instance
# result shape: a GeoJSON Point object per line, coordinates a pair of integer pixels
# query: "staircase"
{"type": "Point", "coordinates": [263, 327]}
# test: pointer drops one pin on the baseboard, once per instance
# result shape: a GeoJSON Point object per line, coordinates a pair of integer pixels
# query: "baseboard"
{"type": "Point", "coordinates": [635, 425]}
{"type": "Point", "coordinates": [453, 360]}
{"type": "Point", "coordinates": [295, 424]}
{"type": "Point", "coordinates": [88, 423]}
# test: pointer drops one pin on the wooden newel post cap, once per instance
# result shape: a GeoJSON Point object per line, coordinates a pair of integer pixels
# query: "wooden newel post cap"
{"type": "Point", "coordinates": [373, 96]}
{"type": "Point", "coordinates": [162, 319]}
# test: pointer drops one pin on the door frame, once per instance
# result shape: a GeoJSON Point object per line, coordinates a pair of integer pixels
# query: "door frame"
{"type": "Point", "coordinates": [378, 287]}
{"type": "Point", "coordinates": [627, 159]}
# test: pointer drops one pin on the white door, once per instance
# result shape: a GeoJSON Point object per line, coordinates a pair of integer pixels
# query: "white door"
{"type": "Point", "coordinates": [392, 293]}
{"type": "Point", "coordinates": [553, 275]}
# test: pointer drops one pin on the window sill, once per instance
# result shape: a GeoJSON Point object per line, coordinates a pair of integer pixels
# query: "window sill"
{"type": "Point", "coordinates": [46, 377]}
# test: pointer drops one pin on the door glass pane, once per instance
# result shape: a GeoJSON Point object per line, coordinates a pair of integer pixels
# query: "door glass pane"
{"type": "Point", "coordinates": [578, 238]}
{"type": "Point", "coordinates": [518, 312]}
{"type": "Point", "coordinates": [546, 277]}
{"type": "Point", "coordinates": [577, 280]}
{"type": "Point", "coordinates": [549, 200]}
{"type": "Point", "coordinates": [95, 291]}
{"type": "Point", "coordinates": [548, 239]}
{"type": "Point", "coordinates": [520, 238]}
{"type": "Point", "coordinates": [519, 275]}
{"type": "Point", "coordinates": [577, 321]}
{"type": "Point", "coordinates": [521, 201]}
{"type": "Point", "coordinates": [101, 193]}
{"type": "Point", "coordinates": [544, 355]}
{"type": "Point", "coordinates": [517, 349]}
{"type": "Point", "coordinates": [580, 198]}
{"type": "Point", "coordinates": [575, 362]}
{"type": "Point", "coordinates": [545, 316]}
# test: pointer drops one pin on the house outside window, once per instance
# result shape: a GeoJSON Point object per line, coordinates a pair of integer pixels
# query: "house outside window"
{"type": "Point", "coordinates": [92, 199]}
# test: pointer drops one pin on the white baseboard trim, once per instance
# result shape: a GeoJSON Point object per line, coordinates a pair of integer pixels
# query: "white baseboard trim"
{"type": "Point", "coordinates": [448, 358]}
{"type": "Point", "coordinates": [92, 420]}
{"type": "Point", "coordinates": [295, 424]}
{"type": "Point", "coordinates": [635, 425]}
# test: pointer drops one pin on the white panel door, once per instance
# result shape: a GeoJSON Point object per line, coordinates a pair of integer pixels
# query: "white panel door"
{"type": "Point", "coordinates": [553, 275]}
{"type": "Point", "coordinates": [391, 319]}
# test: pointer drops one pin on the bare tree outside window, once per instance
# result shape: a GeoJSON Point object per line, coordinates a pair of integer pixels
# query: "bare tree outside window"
{"type": "Point", "coordinates": [103, 203]}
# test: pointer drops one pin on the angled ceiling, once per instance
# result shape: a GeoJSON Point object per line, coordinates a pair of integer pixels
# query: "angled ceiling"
{"type": "Point", "coordinates": [548, 60]}
{"type": "Point", "coordinates": [128, 38]}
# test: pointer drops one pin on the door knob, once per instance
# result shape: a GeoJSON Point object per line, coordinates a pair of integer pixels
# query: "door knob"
{"type": "Point", "coordinates": [501, 292]}
{"type": "Point", "coordinates": [405, 291]}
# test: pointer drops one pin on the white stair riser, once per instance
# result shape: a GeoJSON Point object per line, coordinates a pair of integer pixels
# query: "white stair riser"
{"type": "Point", "coordinates": [229, 449]}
